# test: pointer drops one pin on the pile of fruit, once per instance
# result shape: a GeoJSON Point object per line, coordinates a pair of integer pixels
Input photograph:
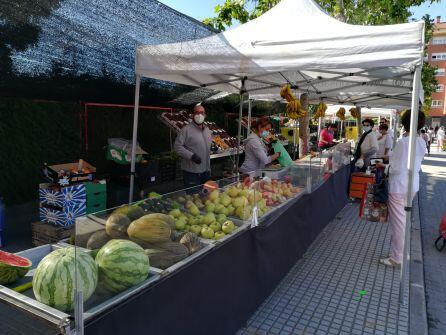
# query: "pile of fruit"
{"type": "Point", "coordinates": [154, 232]}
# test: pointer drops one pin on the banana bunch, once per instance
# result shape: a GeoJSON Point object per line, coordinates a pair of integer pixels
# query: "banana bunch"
{"type": "Point", "coordinates": [285, 92]}
{"type": "Point", "coordinates": [354, 112]}
{"type": "Point", "coordinates": [320, 111]}
{"type": "Point", "coordinates": [341, 113]}
{"type": "Point", "coordinates": [293, 108]}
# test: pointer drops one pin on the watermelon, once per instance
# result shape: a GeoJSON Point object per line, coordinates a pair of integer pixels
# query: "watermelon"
{"type": "Point", "coordinates": [122, 264]}
{"type": "Point", "coordinates": [12, 267]}
{"type": "Point", "coordinates": [54, 278]}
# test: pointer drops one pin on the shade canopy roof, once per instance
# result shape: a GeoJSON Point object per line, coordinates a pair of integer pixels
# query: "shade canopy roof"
{"type": "Point", "coordinates": [296, 42]}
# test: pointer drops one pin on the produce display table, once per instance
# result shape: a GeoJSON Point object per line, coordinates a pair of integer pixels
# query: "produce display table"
{"type": "Point", "coordinates": [217, 292]}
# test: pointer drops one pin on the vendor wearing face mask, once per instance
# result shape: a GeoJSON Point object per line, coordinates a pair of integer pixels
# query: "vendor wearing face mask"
{"type": "Point", "coordinates": [256, 152]}
{"type": "Point", "coordinates": [193, 145]}
{"type": "Point", "coordinates": [367, 146]}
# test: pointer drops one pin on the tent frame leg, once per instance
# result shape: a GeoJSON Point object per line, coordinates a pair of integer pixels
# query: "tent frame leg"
{"type": "Point", "coordinates": [134, 137]}
{"type": "Point", "coordinates": [409, 196]}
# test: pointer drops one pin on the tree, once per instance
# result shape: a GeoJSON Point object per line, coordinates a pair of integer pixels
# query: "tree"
{"type": "Point", "coordinates": [365, 12]}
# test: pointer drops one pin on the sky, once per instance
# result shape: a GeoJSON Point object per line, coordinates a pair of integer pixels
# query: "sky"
{"type": "Point", "coordinates": [201, 9]}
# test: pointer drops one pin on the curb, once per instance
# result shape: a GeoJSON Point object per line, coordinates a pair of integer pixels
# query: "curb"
{"type": "Point", "coordinates": [417, 296]}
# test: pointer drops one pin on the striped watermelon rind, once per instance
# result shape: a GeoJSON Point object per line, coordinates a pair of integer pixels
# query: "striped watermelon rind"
{"type": "Point", "coordinates": [54, 278]}
{"type": "Point", "coordinates": [122, 264]}
{"type": "Point", "coordinates": [12, 267]}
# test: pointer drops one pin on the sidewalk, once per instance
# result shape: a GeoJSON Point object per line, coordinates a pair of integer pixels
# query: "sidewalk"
{"type": "Point", "coordinates": [338, 287]}
{"type": "Point", "coordinates": [432, 207]}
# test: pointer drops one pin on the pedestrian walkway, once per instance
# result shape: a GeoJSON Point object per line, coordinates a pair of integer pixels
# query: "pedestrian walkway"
{"type": "Point", "coordinates": [338, 287]}
{"type": "Point", "coordinates": [432, 207]}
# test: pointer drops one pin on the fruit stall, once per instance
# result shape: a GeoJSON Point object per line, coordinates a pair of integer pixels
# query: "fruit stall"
{"type": "Point", "coordinates": [169, 255]}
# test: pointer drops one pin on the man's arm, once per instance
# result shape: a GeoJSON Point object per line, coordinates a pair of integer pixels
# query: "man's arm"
{"type": "Point", "coordinates": [180, 148]}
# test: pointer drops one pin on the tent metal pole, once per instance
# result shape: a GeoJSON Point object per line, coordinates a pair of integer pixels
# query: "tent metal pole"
{"type": "Point", "coordinates": [134, 137]}
{"type": "Point", "coordinates": [395, 128]}
{"type": "Point", "coordinates": [239, 133]}
{"type": "Point", "coordinates": [319, 127]}
{"type": "Point", "coordinates": [409, 196]}
{"type": "Point", "coordinates": [249, 117]}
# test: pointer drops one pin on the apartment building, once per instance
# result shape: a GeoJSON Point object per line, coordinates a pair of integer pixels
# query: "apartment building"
{"type": "Point", "coordinates": [437, 57]}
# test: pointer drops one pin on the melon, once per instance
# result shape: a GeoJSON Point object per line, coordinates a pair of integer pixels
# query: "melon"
{"type": "Point", "coordinates": [166, 254]}
{"type": "Point", "coordinates": [149, 229]}
{"type": "Point", "coordinates": [12, 267]}
{"type": "Point", "coordinates": [98, 239]}
{"type": "Point", "coordinates": [122, 264]}
{"type": "Point", "coordinates": [132, 212]}
{"type": "Point", "coordinates": [116, 225]}
{"type": "Point", "coordinates": [54, 281]}
{"type": "Point", "coordinates": [191, 241]}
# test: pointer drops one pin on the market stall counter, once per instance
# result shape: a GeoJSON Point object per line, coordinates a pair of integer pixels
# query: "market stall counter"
{"type": "Point", "coordinates": [196, 261]}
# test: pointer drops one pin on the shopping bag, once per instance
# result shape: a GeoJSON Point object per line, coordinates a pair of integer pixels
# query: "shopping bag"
{"type": "Point", "coordinates": [284, 158]}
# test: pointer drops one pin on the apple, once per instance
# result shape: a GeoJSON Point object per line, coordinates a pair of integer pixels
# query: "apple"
{"type": "Point", "coordinates": [244, 192]}
{"type": "Point", "coordinates": [175, 213]}
{"type": "Point", "coordinates": [219, 234]}
{"type": "Point", "coordinates": [233, 192]}
{"type": "Point", "coordinates": [194, 210]}
{"type": "Point", "coordinates": [187, 228]}
{"type": "Point", "coordinates": [199, 204]}
{"type": "Point", "coordinates": [231, 210]}
{"type": "Point", "coordinates": [180, 224]}
{"type": "Point", "coordinates": [181, 200]}
{"type": "Point", "coordinates": [208, 218]}
{"type": "Point", "coordinates": [228, 227]}
{"type": "Point", "coordinates": [225, 200]}
{"type": "Point", "coordinates": [208, 202]}
{"type": "Point", "coordinates": [207, 232]}
{"type": "Point", "coordinates": [215, 226]}
{"type": "Point", "coordinates": [221, 218]}
{"type": "Point", "coordinates": [219, 208]}
{"type": "Point", "coordinates": [213, 195]}
{"type": "Point", "coordinates": [210, 208]}
{"type": "Point", "coordinates": [196, 229]}
{"type": "Point", "coordinates": [239, 202]}
{"type": "Point", "coordinates": [189, 204]}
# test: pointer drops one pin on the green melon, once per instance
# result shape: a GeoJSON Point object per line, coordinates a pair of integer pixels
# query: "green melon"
{"type": "Point", "coordinates": [132, 212]}
{"type": "Point", "coordinates": [116, 225]}
{"type": "Point", "coordinates": [122, 264]}
{"type": "Point", "coordinates": [54, 278]}
{"type": "Point", "coordinates": [12, 267]}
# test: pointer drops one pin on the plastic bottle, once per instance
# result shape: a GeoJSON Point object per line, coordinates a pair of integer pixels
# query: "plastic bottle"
{"type": "Point", "coordinates": [2, 222]}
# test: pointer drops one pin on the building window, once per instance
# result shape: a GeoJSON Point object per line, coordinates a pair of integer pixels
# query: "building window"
{"type": "Point", "coordinates": [440, 88]}
{"type": "Point", "coordinates": [439, 40]}
{"type": "Point", "coordinates": [439, 56]}
{"type": "Point", "coordinates": [439, 72]}
{"type": "Point", "coordinates": [437, 103]}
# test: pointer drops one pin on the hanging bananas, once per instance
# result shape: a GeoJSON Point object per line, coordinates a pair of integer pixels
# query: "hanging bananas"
{"type": "Point", "coordinates": [294, 107]}
{"type": "Point", "coordinates": [320, 111]}
{"type": "Point", "coordinates": [354, 112]}
{"type": "Point", "coordinates": [341, 113]}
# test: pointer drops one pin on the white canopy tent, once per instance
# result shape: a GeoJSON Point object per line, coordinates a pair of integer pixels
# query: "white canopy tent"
{"type": "Point", "coordinates": [297, 43]}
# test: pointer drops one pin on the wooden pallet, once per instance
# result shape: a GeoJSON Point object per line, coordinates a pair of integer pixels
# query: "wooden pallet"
{"type": "Point", "coordinates": [45, 233]}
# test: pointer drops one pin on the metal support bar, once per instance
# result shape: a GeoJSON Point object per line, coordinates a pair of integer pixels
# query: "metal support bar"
{"type": "Point", "coordinates": [240, 115]}
{"type": "Point", "coordinates": [249, 117]}
{"type": "Point", "coordinates": [410, 166]}
{"type": "Point", "coordinates": [134, 137]}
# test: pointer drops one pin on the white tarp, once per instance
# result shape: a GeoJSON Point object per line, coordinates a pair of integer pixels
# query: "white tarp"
{"type": "Point", "coordinates": [365, 112]}
{"type": "Point", "coordinates": [296, 42]}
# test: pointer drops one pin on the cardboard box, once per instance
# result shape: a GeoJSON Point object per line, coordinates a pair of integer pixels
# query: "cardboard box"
{"type": "Point", "coordinates": [53, 195]}
{"type": "Point", "coordinates": [68, 174]}
{"type": "Point", "coordinates": [65, 216]}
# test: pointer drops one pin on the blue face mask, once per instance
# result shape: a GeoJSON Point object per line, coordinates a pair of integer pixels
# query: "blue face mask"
{"type": "Point", "coordinates": [264, 134]}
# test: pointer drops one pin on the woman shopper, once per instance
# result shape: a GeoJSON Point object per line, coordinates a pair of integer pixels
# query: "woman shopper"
{"type": "Point", "coordinates": [440, 138]}
{"type": "Point", "coordinates": [398, 182]}
{"type": "Point", "coordinates": [326, 137]}
{"type": "Point", "coordinates": [256, 152]}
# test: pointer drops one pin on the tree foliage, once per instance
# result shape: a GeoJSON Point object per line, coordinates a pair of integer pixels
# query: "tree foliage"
{"type": "Point", "coordinates": [362, 12]}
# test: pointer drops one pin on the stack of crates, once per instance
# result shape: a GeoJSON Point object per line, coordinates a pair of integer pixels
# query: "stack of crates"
{"type": "Point", "coordinates": [96, 196]}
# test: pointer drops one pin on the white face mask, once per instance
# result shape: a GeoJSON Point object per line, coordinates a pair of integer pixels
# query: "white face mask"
{"type": "Point", "coordinates": [366, 128]}
{"type": "Point", "coordinates": [199, 118]}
